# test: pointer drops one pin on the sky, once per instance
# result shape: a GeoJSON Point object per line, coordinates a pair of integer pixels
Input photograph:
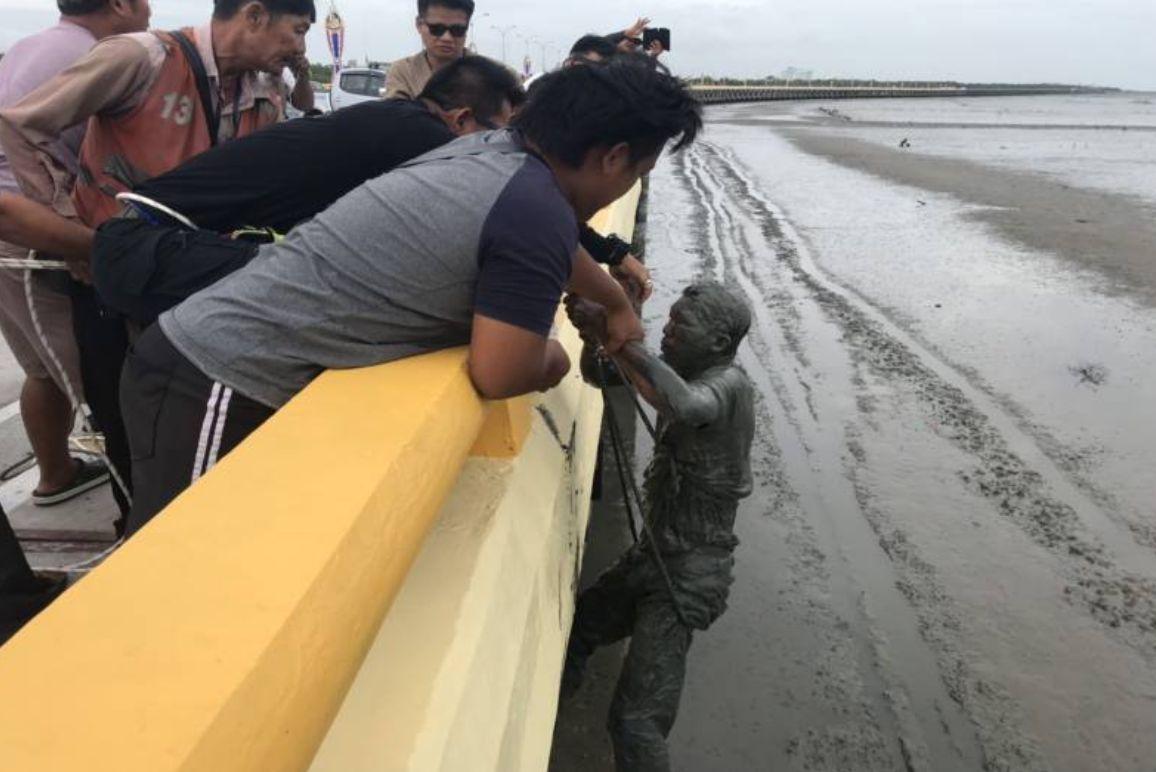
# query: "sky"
{"type": "Point", "coordinates": [1094, 42]}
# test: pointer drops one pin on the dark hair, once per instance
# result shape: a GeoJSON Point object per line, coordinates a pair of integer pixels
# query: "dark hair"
{"type": "Point", "coordinates": [227, 9]}
{"type": "Point", "coordinates": [476, 82]}
{"type": "Point", "coordinates": [453, 5]}
{"type": "Point", "coordinates": [573, 110]}
{"type": "Point", "coordinates": [594, 44]}
{"type": "Point", "coordinates": [80, 7]}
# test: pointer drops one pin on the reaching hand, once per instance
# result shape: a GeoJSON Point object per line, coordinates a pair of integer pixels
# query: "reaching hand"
{"type": "Point", "coordinates": [588, 317]}
{"type": "Point", "coordinates": [81, 269]}
{"type": "Point", "coordinates": [636, 29]}
{"type": "Point", "coordinates": [300, 67]}
{"type": "Point", "coordinates": [634, 278]}
{"type": "Point", "coordinates": [622, 326]}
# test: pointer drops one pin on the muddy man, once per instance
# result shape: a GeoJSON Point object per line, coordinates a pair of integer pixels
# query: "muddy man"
{"type": "Point", "coordinates": [700, 470]}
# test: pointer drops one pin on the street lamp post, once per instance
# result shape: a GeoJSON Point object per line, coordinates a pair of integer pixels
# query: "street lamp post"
{"type": "Point", "coordinates": [504, 31]}
{"type": "Point", "coordinates": [472, 41]}
{"type": "Point", "coordinates": [542, 44]}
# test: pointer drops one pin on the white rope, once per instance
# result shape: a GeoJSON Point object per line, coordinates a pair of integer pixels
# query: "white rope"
{"type": "Point", "coordinates": [148, 203]}
{"type": "Point", "coordinates": [33, 265]}
{"type": "Point", "coordinates": [70, 392]}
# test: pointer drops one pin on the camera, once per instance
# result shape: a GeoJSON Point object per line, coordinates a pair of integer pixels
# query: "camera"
{"type": "Point", "coordinates": [661, 34]}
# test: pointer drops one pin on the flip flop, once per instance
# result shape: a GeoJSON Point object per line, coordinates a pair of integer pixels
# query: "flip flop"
{"type": "Point", "coordinates": [89, 475]}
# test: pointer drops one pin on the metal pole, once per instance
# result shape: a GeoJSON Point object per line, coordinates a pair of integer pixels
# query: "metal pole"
{"type": "Point", "coordinates": [504, 31]}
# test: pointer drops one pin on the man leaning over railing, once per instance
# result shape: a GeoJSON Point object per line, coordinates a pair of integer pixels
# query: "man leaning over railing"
{"type": "Point", "coordinates": [473, 244]}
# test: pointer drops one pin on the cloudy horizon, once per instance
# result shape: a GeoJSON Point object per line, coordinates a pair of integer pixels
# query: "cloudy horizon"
{"type": "Point", "coordinates": [1067, 41]}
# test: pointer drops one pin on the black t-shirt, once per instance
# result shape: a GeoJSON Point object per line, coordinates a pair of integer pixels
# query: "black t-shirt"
{"type": "Point", "coordinates": [288, 173]}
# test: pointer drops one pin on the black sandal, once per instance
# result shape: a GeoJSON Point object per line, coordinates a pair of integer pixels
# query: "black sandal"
{"type": "Point", "coordinates": [89, 475]}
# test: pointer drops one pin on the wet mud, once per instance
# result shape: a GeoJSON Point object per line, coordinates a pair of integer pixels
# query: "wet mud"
{"type": "Point", "coordinates": [925, 580]}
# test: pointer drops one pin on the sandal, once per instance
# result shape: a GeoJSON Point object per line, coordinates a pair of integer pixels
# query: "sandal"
{"type": "Point", "coordinates": [89, 475]}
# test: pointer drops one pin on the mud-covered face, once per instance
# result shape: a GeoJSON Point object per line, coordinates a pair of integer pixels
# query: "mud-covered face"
{"type": "Point", "coordinates": [688, 342]}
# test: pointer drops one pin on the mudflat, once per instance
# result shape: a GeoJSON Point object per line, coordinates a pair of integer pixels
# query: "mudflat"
{"type": "Point", "coordinates": [949, 558]}
{"type": "Point", "coordinates": [1113, 234]}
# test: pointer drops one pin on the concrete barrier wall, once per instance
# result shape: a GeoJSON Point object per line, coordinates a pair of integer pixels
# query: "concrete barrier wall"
{"type": "Point", "coordinates": [226, 635]}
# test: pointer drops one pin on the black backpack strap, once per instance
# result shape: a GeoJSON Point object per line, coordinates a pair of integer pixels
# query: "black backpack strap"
{"type": "Point", "coordinates": [212, 117]}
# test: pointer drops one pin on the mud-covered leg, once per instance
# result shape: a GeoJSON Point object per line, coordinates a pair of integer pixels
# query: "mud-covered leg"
{"type": "Point", "coordinates": [649, 689]}
{"type": "Point", "coordinates": [603, 615]}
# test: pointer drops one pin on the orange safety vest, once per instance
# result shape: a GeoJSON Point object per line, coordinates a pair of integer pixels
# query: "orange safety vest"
{"type": "Point", "coordinates": [166, 129]}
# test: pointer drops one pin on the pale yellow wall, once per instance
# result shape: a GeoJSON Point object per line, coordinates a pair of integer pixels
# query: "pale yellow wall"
{"type": "Point", "coordinates": [463, 674]}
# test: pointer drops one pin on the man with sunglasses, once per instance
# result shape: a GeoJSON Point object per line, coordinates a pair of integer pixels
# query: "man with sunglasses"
{"type": "Point", "coordinates": [443, 25]}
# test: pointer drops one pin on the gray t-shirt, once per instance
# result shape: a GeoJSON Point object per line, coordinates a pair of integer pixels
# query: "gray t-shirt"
{"type": "Point", "coordinates": [396, 267]}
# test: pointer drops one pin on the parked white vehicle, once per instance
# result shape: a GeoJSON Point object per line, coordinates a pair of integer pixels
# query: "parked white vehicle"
{"type": "Point", "coordinates": [356, 85]}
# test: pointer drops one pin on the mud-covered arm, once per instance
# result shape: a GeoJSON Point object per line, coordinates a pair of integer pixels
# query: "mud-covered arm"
{"type": "Point", "coordinates": [675, 399]}
{"type": "Point", "coordinates": [108, 78]}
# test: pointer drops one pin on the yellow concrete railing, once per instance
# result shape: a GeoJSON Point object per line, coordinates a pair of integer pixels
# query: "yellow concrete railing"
{"type": "Point", "coordinates": [226, 634]}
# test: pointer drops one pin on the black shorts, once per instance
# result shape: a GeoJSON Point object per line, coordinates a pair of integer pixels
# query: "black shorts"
{"type": "Point", "coordinates": [179, 421]}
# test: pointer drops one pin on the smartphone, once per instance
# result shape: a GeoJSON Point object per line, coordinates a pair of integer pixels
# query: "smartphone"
{"type": "Point", "coordinates": [661, 34]}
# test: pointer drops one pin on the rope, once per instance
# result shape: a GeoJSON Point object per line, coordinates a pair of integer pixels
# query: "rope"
{"type": "Point", "coordinates": [70, 392]}
{"type": "Point", "coordinates": [630, 487]}
{"type": "Point", "coordinates": [638, 406]}
{"type": "Point", "coordinates": [33, 265]}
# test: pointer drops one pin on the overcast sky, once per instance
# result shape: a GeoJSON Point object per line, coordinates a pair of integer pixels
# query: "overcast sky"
{"type": "Point", "coordinates": [1105, 42]}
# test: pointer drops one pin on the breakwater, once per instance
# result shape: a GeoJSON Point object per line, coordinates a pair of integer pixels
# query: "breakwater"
{"type": "Point", "coordinates": [778, 91]}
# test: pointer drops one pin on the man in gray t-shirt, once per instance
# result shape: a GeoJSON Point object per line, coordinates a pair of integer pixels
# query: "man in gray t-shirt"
{"type": "Point", "coordinates": [473, 243]}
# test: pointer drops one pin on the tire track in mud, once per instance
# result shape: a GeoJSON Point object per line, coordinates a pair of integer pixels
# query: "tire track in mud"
{"type": "Point", "coordinates": [731, 217]}
{"type": "Point", "coordinates": [906, 717]}
{"type": "Point", "coordinates": [1119, 598]}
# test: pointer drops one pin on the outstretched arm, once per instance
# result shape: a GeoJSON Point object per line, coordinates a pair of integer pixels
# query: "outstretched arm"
{"type": "Point", "coordinates": [656, 381]}
{"type": "Point", "coordinates": [590, 281]}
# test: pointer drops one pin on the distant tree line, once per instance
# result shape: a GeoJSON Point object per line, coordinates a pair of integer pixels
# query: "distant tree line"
{"type": "Point", "coordinates": [320, 73]}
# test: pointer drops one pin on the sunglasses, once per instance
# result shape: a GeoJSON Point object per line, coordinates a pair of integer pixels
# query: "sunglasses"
{"type": "Point", "coordinates": [437, 30]}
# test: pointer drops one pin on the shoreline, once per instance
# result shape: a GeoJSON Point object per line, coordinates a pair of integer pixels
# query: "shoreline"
{"type": "Point", "coordinates": [1109, 234]}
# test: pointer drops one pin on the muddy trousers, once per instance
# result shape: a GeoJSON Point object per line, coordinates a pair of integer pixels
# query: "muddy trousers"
{"type": "Point", "coordinates": [649, 688]}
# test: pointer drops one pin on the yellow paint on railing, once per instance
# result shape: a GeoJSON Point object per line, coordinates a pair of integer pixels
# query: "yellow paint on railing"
{"type": "Point", "coordinates": [224, 636]}
{"type": "Point", "coordinates": [505, 430]}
